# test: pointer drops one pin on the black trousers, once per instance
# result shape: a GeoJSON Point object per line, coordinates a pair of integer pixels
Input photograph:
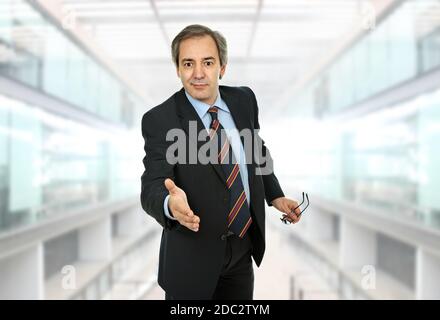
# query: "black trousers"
{"type": "Point", "coordinates": [236, 281]}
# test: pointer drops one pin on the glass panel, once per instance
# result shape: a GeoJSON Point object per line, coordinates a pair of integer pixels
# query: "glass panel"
{"type": "Point", "coordinates": [55, 64]}
{"type": "Point", "coordinates": [91, 89]}
{"type": "Point", "coordinates": [402, 58]}
{"type": "Point", "coordinates": [378, 57]}
{"type": "Point", "coordinates": [427, 30]}
{"type": "Point", "coordinates": [25, 161]}
{"type": "Point", "coordinates": [405, 44]}
{"type": "Point", "coordinates": [387, 159]}
{"type": "Point", "coordinates": [41, 55]}
{"type": "Point", "coordinates": [50, 164]}
{"type": "Point", "coordinates": [429, 158]}
{"type": "Point", "coordinates": [5, 21]}
{"type": "Point", "coordinates": [76, 76]}
{"type": "Point", "coordinates": [4, 156]}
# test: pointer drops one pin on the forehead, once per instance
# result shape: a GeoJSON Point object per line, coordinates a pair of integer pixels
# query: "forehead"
{"type": "Point", "coordinates": [198, 48]}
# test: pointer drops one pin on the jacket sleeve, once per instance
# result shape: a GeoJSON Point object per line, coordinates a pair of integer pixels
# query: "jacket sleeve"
{"type": "Point", "coordinates": [157, 169]}
{"type": "Point", "coordinates": [264, 163]}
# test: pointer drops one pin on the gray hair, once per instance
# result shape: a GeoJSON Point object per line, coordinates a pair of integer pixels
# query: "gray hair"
{"type": "Point", "coordinates": [197, 30]}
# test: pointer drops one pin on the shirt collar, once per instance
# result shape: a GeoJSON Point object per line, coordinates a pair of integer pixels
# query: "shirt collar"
{"type": "Point", "coordinates": [202, 108]}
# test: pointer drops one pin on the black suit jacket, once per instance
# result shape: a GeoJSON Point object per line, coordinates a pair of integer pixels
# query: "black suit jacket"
{"type": "Point", "coordinates": [190, 262]}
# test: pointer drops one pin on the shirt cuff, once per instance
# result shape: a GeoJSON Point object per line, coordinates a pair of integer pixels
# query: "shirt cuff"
{"type": "Point", "coordinates": [165, 208]}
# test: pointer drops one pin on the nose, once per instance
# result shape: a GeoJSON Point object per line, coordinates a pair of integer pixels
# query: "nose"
{"type": "Point", "coordinates": [198, 72]}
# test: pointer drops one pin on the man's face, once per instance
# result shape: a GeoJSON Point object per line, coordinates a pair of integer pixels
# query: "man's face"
{"type": "Point", "coordinates": [199, 68]}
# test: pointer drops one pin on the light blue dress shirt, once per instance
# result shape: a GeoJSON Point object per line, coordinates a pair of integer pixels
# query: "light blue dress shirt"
{"type": "Point", "coordinates": [226, 120]}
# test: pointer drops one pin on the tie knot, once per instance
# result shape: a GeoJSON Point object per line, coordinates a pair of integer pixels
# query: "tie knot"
{"type": "Point", "coordinates": [213, 112]}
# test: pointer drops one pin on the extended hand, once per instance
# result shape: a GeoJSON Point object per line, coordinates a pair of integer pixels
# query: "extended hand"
{"type": "Point", "coordinates": [178, 205]}
{"type": "Point", "coordinates": [286, 206]}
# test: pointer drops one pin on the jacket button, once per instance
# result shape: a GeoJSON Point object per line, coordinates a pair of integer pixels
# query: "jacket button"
{"type": "Point", "coordinates": [225, 235]}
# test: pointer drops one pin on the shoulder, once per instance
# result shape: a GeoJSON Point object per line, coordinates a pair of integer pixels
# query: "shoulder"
{"type": "Point", "coordinates": [161, 112]}
{"type": "Point", "coordinates": [160, 119]}
{"type": "Point", "coordinates": [242, 90]}
{"type": "Point", "coordinates": [243, 93]}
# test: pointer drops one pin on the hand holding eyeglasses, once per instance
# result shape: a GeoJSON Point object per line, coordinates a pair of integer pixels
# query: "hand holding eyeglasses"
{"type": "Point", "coordinates": [287, 220]}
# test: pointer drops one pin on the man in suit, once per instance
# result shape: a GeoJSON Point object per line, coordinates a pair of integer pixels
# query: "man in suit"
{"type": "Point", "coordinates": [212, 214]}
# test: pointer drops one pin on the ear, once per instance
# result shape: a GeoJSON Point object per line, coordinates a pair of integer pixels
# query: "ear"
{"type": "Point", "coordinates": [178, 72]}
{"type": "Point", "coordinates": [222, 71]}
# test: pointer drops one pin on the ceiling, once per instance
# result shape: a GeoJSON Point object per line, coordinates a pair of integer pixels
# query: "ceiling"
{"type": "Point", "coordinates": [271, 43]}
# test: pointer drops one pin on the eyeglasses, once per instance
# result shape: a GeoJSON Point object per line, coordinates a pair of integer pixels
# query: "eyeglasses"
{"type": "Point", "coordinates": [285, 218]}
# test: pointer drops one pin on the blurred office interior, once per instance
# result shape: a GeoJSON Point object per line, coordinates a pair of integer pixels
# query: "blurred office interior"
{"type": "Point", "coordinates": [349, 99]}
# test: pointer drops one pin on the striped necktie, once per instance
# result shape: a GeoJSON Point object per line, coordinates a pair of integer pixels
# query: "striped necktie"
{"type": "Point", "coordinates": [239, 216]}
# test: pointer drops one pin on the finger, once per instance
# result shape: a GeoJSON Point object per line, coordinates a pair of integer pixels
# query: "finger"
{"type": "Point", "coordinates": [292, 205]}
{"type": "Point", "coordinates": [285, 209]}
{"type": "Point", "coordinates": [184, 213]}
{"type": "Point", "coordinates": [191, 226]}
{"type": "Point", "coordinates": [293, 217]}
{"type": "Point", "coordinates": [193, 222]}
{"type": "Point", "coordinates": [178, 215]}
{"type": "Point", "coordinates": [185, 220]}
{"type": "Point", "coordinates": [191, 219]}
{"type": "Point", "coordinates": [294, 208]}
{"type": "Point", "coordinates": [188, 216]}
{"type": "Point", "coordinates": [183, 208]}
{"type": "Point", "coordinates": [170, 185]}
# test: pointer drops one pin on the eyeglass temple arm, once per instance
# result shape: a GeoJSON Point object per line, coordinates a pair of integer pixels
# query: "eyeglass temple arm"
{"type": "Point", "coordinates": [307, 205]}
{"type": "Point", "coordinates": [301, 202]}
{"type": "Point", "coordinates": [308, 202]}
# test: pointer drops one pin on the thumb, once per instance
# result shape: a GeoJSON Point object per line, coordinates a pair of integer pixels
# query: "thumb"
{"type": "Point", "coordinates": [170, 185]}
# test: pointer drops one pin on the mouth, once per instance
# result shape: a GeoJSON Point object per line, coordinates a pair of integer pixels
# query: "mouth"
{"type": "Point", "coordinates": [199, 86]}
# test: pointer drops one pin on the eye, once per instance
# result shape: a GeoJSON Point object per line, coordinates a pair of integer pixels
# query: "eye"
{"type": "Point", "coordinates": [209, 63]}
{"type": "Point", "coordinates": [187, 64]}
